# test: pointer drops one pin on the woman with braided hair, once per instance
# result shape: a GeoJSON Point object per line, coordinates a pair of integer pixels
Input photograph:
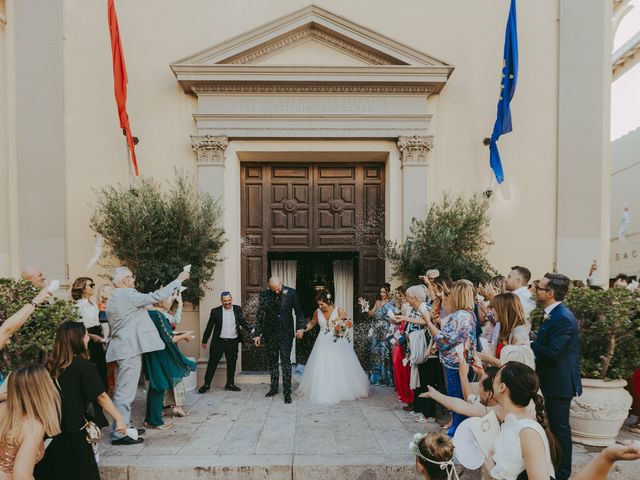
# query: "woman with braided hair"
{"type": "Point", "coordinates": [525, 445]}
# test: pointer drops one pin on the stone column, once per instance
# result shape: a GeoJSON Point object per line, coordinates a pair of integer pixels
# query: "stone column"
{"type": "Point", "coordinates": [414, 157]}
{"type": "Point", "coordinates": [210, 154]}
{"type": "Point", "coordinates": [584, 138]}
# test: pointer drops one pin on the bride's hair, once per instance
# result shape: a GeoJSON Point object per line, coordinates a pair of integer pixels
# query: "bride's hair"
{"type": "Point", "coordinates": [324, 296]}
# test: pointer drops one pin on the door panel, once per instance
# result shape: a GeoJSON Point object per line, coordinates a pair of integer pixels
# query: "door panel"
{"type": "Point", "coordinates": [306, 208]}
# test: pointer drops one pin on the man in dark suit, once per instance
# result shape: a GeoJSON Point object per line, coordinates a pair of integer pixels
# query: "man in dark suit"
{"type": "Point", "coordinates": [274, 322]}
{"type": "Point", "coordinates": [228, 326]}
{"type": "Point", "coordinates": [557, 350]}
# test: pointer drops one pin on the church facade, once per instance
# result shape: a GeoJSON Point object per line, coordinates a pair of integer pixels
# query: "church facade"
{"type": "Point", "coordinates": [318, 125]}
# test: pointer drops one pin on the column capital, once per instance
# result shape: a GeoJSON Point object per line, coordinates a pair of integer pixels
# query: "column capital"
{"type": "Point", "coordinates": [414, 150]}
{"type": "Point", "coordinates": [209, 149]}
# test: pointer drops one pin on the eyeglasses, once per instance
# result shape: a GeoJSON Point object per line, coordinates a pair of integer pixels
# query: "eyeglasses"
{"type": "Point", "coordinates": [537, 286]}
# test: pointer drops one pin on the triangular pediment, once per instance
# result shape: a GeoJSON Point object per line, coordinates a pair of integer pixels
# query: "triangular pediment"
{"type": "Point", "coordinates": [307, 43]}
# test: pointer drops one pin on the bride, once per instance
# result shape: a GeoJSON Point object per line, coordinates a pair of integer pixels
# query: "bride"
{"type": "Point", "coordinates": [333, 373]}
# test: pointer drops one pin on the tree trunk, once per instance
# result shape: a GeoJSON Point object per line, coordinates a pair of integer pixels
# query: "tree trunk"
{"type": "Point", "coordinates": [606, 358]}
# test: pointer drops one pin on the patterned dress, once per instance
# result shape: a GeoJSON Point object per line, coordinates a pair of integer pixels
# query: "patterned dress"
{"type": "Point", "coordinates": [381, 348]}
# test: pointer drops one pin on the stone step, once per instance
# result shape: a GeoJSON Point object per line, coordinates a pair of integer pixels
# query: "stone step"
{"type": "Point", "coordinates": [292, 467]}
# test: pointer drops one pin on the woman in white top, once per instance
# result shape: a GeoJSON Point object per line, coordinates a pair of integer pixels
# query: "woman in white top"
{"type": "Point", "coordinates": [83, 291]}
{"type": "Point", "coordinates": [524, 444]}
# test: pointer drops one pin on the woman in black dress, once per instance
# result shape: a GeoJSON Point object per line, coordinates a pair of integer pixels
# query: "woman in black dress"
{"type": "Point", "coordinates": [70, 456]}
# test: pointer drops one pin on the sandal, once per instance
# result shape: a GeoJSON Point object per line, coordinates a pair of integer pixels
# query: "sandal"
{"type": "Point", "coordinates": [179, 412]}
{"type": "Point", "coordinates": [165, 426]}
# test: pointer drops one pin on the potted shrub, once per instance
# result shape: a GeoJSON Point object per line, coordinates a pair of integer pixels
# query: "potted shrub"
{"type": "Point", "coordinates": [453, 237]}
{"type": "Point", "coordinates": [609, 323]}
{"type": "Point", "coordinates": [155, 231]}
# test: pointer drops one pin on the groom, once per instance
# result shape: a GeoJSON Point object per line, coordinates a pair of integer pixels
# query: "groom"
{"type": "Point", "coordinates": [274, 322]}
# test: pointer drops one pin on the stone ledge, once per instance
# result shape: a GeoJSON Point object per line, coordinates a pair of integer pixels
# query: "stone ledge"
{"type": "Point", "coordinates": [291, 467]}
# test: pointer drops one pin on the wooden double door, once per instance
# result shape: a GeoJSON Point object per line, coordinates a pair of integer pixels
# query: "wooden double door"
{"type": "Point", "coordinates": [309, 207]}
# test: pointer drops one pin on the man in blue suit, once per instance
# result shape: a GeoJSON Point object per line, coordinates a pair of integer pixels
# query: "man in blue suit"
{"type": "Point", "coordinates": [557, 350]}
{"type": "Point", "coordinates": [274, 322]}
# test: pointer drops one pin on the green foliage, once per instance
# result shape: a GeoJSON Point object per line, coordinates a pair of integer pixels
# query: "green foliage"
{"type": "Point", "coordinates": [155, 233]}
{"type": "Point", "coordinates": [609, 323]}
{"type": "Point", "coordinates": [452, 238]}
{"type": "Point", "coordinates": [34, 340]}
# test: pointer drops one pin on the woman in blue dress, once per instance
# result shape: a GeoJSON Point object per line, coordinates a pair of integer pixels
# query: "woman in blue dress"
{"type": "Point", "coordinates": [379, 336]}
{"type": "Point", "coordinates": [164, 368]}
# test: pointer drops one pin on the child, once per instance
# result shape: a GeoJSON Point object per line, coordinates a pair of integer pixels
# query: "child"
{"type": "Point", "coordinates": [434, 456]}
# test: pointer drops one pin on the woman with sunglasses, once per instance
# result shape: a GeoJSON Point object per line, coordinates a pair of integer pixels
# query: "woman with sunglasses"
{"type": "Point", "coordinates": [83, 291]}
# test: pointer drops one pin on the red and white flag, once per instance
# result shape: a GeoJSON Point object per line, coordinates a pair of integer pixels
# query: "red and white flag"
{"type": "Point", "coordinates": [120, 80]}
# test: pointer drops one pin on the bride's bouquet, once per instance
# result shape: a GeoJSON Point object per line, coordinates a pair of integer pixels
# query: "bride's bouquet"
{"type": "Point", "coordinates": [342, 329]}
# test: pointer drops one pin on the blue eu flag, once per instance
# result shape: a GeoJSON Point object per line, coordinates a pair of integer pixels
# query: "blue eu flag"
{"type": "Point", "coordinates": [507, 89]}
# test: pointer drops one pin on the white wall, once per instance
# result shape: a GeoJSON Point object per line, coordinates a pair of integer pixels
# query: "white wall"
{"type": "Point", "coordinates": [468, 34]}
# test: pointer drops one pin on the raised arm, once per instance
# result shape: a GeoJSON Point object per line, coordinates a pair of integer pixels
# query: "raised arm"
{"type": "Point", "coordinates": [177, 317]}
{"type": "Point", "coordinates": [455, 404]}
{"type": "Point", "coordinates": [18, 319]}
{"type": "Point", "coordinates": [146, 299]}
{"type": "Point", "coordinates": [598, 468]}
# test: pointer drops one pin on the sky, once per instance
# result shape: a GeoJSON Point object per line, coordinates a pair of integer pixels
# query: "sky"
{"type": "Point", "coordinates": [625, 91]}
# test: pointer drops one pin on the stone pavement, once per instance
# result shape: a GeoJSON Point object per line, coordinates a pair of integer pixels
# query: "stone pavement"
{"type": "Point", "coordinates": [243, 435]}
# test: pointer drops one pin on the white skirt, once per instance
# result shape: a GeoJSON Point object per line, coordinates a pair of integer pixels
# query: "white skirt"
{"type": "Point", "coordinates": [333, 373]}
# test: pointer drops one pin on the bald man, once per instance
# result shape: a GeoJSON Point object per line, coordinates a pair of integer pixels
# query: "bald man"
{"type": "Point", "coordinates": [35, 276]}
{"type": "Point", "coordinates": [274, 323]}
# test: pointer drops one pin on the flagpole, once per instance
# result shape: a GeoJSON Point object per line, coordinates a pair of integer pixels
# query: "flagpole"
{"type": "Point", "coordinates": [129, 160]}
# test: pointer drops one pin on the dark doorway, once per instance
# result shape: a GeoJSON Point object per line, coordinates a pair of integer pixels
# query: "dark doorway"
{"type": "Point", "coordinates": [314, 272]}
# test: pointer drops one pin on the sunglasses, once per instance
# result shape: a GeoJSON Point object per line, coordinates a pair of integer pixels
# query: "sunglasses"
{"type": "Point", "coordinates": [538, 287]}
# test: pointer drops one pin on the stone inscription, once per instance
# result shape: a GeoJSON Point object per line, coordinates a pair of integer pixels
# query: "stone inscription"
{"type": "Point", "coordinates": [312, 105]}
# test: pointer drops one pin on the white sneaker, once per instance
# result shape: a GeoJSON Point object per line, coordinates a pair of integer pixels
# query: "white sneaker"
{"type": "Point", "coordinates": [420, 419]}
{"type": "Point", "coordinates": [413, 414]}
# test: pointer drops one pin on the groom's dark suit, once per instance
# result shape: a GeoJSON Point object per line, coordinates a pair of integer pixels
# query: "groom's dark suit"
{"type": "Point", "coordinates": [274, 322]}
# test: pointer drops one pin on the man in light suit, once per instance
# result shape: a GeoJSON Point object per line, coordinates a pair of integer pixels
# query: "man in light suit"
{"type": "Point", "coordinates": [132, 334]}
{"type": "Point", "coordinates": [228, 326]}
{"type": "Point", "coordinates": [557, 351]}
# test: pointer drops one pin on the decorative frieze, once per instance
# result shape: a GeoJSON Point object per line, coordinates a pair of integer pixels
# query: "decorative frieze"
{"type": "Point", "coordinates": [300, 88]}
{"type": "Point", "coordinates": [210, 150]}
{"type": "Point", "coordinates": [320, 35]}
{"type": "Point", "coordinates": [414, 150]}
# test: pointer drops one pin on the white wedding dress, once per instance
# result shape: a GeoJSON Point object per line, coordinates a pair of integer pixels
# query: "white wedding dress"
{"type": "Point", "coordinates": [333, 372]}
